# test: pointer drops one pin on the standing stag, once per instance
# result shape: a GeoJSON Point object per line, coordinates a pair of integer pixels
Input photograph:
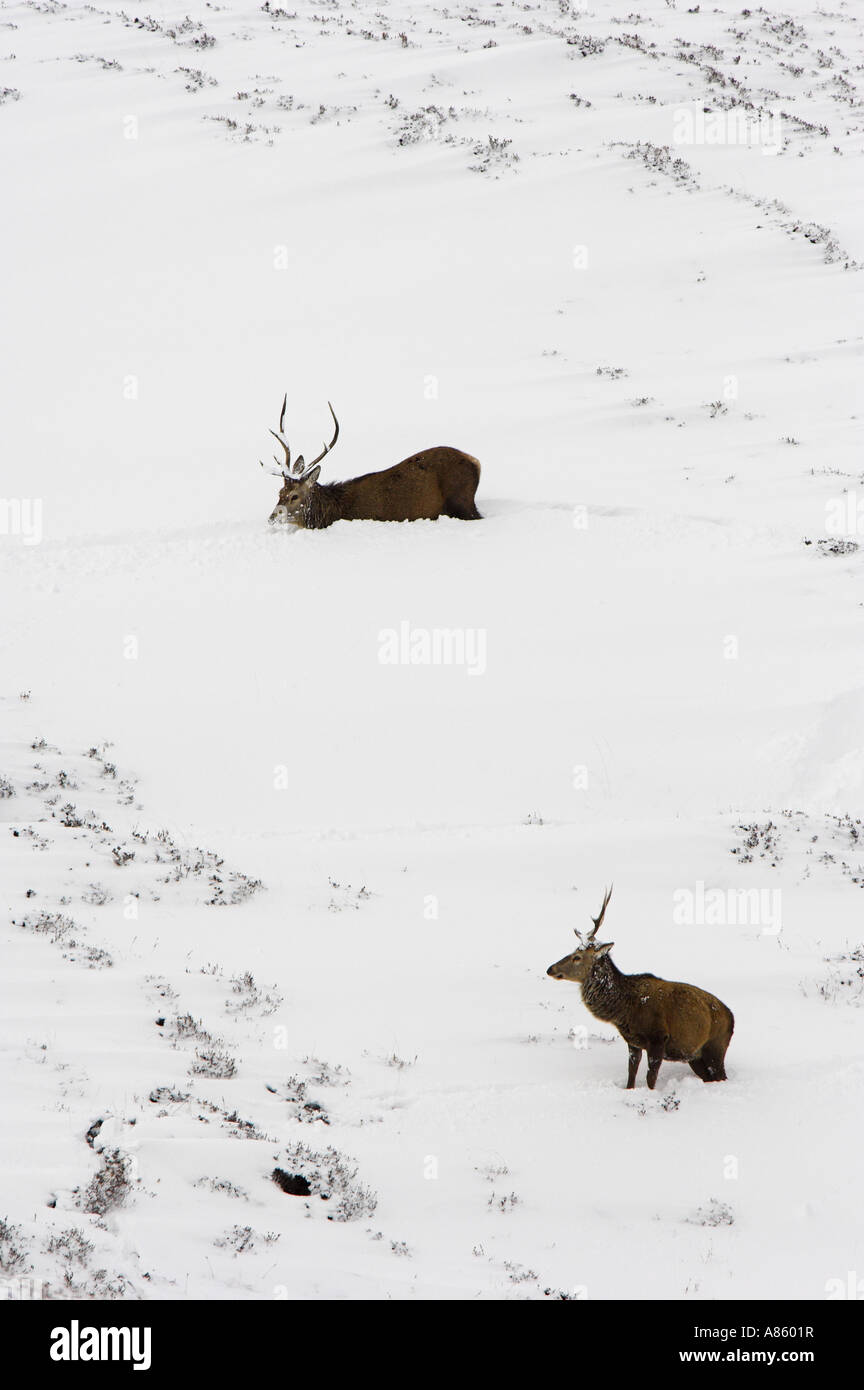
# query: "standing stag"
{"type": "Point", "coordinates": [670, 1021]}
{"type": "Point", "coordinates": [436, 482]}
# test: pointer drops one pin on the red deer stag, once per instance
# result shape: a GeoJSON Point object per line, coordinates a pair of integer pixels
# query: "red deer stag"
{"type": "Point", "coordinates": [670, 1021]}
{"type": "Point", "coordinates": [436, 482]}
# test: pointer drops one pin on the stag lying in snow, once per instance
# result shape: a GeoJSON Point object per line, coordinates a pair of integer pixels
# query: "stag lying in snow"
{"type": "Point", "coordinates": [670, 1021]}
{"type": "Point", "coordinates": [436, 482]}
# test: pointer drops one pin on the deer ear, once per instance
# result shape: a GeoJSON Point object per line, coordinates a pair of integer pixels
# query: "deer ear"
{"type": "Point", "coordinates": [604, 949]}
{"type": "Point", "coordinates": [312, 475]}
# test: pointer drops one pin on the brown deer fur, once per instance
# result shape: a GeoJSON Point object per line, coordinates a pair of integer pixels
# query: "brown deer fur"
{"type": "Point", "coordinates": [670, 1021]}
{"type": "Point", "coordinates": [436, 482]}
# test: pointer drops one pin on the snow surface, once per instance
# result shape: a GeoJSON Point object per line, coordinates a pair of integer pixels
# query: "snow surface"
{"type": "Point", "coordinates": [659, 366]}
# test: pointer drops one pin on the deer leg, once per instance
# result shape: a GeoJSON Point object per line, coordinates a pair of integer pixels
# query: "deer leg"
{"type": "Point", "coordinates": [655, 1057]}
{"type": "Point", "coordinates": [462, 509]}
{"type": "Point", "coordinates": [713, 1063]}
{"type": "Point", "coordinates": [633, 1066]}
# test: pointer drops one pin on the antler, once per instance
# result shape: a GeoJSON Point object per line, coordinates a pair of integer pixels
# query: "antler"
{"type": "Point", "coordinates": [327, 447]}
{"type": "Point", "coordinates": [300, 468]}
{"type": "Point", "coordinates": [282, 470]}
{"type": "Point", "coordinates": [586, 940]}
{"type": "Point", "coordinates": [597, 920]}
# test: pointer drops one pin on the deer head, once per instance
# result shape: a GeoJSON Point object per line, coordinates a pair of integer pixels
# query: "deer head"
{"type": "Point", "coordinates": [579, 964]}
{"type": "Point", "coordinates": [298, 479]}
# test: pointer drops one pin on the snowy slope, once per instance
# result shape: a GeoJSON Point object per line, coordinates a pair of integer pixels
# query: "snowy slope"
{"type": "Point", "coordinates": [658, 364]}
